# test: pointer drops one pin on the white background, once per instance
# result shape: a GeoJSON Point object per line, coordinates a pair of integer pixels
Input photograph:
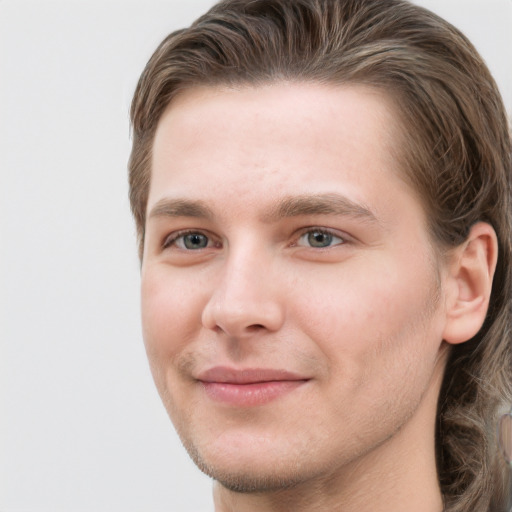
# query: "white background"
{"type": "Point", "coordinates": [81, 425]}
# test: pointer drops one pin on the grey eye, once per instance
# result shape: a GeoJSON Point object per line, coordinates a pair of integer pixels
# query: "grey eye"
{"type": "Point", "coordinates": [193, 241]}
{"type": "Point", "coordinates": [319, 239]}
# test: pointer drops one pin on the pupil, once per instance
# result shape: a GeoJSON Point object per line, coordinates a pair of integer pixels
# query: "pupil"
{"type": "Point", "coordinates": [195, 241]}
{"type": "Point", "coordinates": [317, 239]}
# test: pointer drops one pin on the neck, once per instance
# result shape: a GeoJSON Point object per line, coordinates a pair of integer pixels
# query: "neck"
{"type": "Point", "coordinates": [400, 475]}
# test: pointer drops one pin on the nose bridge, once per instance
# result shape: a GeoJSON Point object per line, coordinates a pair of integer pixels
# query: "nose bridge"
{"type": "Point", "coordinates": [246, 297]}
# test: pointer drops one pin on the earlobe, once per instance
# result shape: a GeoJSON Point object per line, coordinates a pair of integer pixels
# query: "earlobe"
{"type": "Point", "coordinates": [471, 272]}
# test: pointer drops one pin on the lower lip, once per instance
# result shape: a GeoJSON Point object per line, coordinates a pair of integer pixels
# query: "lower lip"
{"type": "Point", "coordinates": [250, 395]}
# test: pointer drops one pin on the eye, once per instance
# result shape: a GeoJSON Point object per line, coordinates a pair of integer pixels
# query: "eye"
{"type": "Point", "coordinates": [319, 239]}
{"type": "Point", "coordinates": [188, 241]}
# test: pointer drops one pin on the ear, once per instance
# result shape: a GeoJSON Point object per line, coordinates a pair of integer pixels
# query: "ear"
{"type": "Point", "coordinates": [471, 271]}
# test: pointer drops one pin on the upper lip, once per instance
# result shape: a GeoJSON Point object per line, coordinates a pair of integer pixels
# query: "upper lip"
{"type": "Point", "coordinates": [227, 375]}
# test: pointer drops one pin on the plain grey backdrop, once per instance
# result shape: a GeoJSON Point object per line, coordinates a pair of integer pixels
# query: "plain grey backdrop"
{"type": "Point", "coordinates": [81, 425]}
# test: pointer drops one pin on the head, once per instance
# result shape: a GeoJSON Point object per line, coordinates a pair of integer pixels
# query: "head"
{"type": "Point", "coordinates": [454, 154]}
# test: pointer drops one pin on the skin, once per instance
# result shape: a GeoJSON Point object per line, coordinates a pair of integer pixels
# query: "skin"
{"type": "Point", "coordinates": [280, 235]}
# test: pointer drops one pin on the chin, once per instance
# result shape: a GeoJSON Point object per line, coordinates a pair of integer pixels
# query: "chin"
{"type": "Point", "coordinates": [246, 472]}
{"type": "Point", "coordinates": [252, 481]}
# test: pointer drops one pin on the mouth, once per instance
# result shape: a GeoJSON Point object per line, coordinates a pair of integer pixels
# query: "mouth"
{"type": "Point", "coordinates": [248, 387]}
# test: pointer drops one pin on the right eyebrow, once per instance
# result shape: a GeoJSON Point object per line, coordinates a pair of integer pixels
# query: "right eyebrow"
{"type": "Point", "coordinates": [320, 204]}
{"type": "Point", "coordinates": [168, 207]}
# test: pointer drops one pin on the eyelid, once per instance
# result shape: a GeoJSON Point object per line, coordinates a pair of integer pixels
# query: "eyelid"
{"type": "Point", "coordinates": [344, 237]}
{"type": "Point", "coordinates": [171, 238]}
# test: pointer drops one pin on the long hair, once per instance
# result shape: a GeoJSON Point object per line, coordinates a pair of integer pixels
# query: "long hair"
{"type": "Point", "coordinates": [456, 154]}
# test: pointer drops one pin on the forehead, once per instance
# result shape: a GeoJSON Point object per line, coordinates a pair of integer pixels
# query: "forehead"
{"type": "Point", "coordinates": [254, 144]}
{"type": "Point", "coordinates": [318, 113]}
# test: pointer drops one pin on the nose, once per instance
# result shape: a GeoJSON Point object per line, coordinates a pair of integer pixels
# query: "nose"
{"type": "Point", "coordinates": [246, 298]}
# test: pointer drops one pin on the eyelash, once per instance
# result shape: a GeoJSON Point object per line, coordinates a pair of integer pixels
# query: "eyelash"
{"type": "Point", "coordinates": [322, 231]}
{"type": "Point", "coordinates": [171, 240]}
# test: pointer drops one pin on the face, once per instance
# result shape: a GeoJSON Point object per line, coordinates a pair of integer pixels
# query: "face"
{"type": "Point", "coordinates": [291, 303]}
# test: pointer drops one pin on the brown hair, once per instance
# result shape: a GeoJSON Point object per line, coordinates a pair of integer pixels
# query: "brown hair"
{"type": "Point", "coordinates": [456, 153]}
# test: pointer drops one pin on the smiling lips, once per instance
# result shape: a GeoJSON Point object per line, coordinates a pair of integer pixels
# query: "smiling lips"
{"type": "Point", "coordinates": [250, 387]}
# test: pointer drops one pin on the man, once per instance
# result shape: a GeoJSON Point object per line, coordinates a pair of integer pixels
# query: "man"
{"type": "Point", "coordinates": [322, 194]}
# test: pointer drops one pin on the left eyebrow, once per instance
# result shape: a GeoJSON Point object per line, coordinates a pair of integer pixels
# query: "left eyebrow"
{"type": "Point", "coordinates": [319, 204]}
{"type": "Point", "coordinates": [170, 207]}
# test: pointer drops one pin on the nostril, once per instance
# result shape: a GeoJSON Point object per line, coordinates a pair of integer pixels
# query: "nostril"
{"type": "Point", "coordinates": [255, 327]}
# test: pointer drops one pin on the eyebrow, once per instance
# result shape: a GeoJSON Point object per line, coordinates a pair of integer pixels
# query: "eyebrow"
{"type": "Point", "coordinates": [293, 206]}
{"type": "Point", "coordinates": [168, 207]}
{"type": "Point", "coordinates": [321, 204]}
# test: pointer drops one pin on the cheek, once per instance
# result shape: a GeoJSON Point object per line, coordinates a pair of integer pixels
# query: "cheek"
{"type": "Point", "coordinates": [171, 318]}
{"type": "Point", "coordinates": [362, 319]}
{"type": "Point", "coordinates": [171, 314]}
{"type": "Point", "coordinates": [379, 344]}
